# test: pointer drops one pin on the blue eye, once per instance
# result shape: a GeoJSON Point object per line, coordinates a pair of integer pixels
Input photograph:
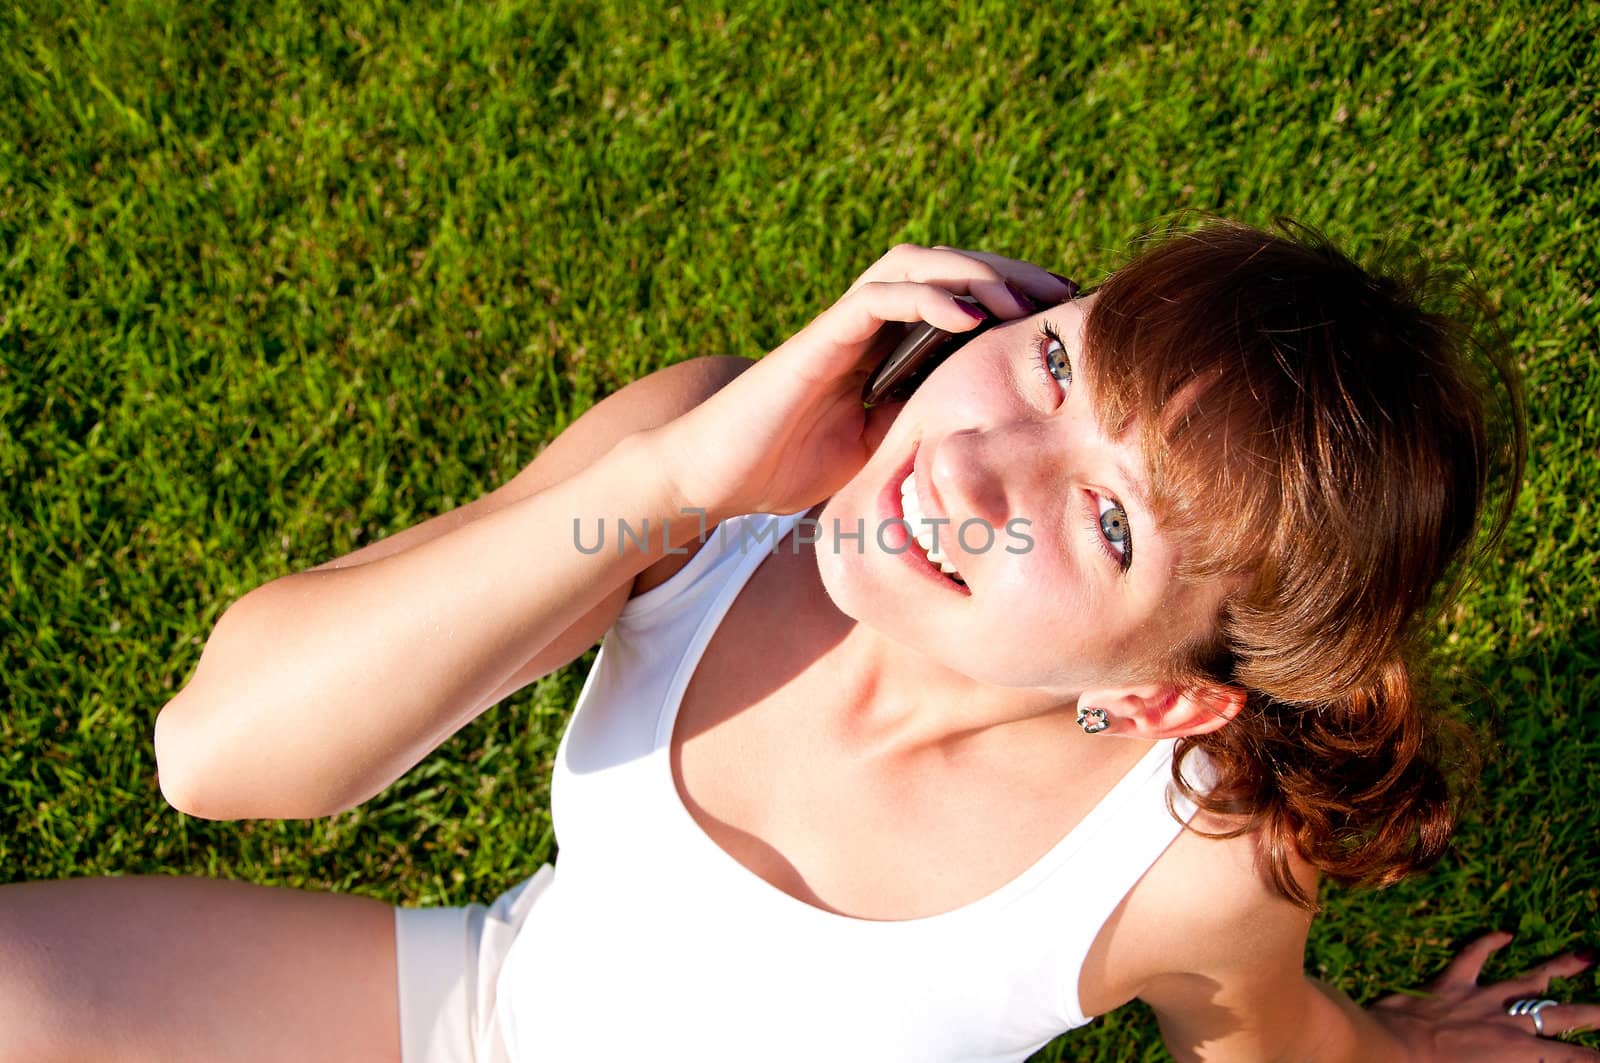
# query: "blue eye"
{"type": "Point", "coordinates": [1053, 364]}
{"type": "Point", "coordinates": [1114, 524]}
{"type": "Point", "coordinates": [1115, 537]}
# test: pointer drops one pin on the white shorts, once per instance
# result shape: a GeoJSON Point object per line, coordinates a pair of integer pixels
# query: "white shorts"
{"type": "Point", "coordinates": [449, 960]}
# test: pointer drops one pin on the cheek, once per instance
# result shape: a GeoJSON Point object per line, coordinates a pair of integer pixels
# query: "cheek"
{"type": "Point", "coordinates": [1069, 626]}
{"type": "Point", "coordinates": [1040, 563]}
{"type": "Point", "coordinates": [1042, 632]}
{"type": "Point", "coordinates": [962, 386]}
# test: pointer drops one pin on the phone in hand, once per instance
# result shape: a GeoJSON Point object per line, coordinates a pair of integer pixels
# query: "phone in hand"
{"type": "Point", "coordinates": [920, 351]}
{"type": "Point", "coordinates": [923, 347]}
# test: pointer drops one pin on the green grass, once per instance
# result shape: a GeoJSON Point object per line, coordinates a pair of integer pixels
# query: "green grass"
{"type": "Point", "coordinates": [277, 280]}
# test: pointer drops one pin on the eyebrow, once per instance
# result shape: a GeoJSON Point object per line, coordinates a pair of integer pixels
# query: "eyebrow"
{"type": "Point", "coordinates": [1137, 489]}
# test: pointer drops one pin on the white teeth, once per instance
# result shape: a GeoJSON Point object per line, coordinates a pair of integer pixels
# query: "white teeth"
{"type": "Point", "coordinates": [921, 529]}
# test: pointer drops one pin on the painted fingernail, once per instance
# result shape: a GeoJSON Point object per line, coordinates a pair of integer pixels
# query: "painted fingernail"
{"type": "Point", "coordinates": [977, 313]}
{"type": "Point", "coordinates": [1587, 954]}
{"type": "Point", "coordinates": [1072, 286]}
{"type": "Point", "coordinates": [1021, 297]}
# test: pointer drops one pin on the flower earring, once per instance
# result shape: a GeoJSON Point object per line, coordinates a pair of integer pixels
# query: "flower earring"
{"type": "Point", "coordinates": [1093, 721]}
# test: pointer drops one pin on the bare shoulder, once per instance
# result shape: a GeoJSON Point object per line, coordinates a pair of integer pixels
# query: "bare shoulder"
{"type": "Point", "coordinates": [1220, 952]}
{"type": "Point", "coordinates": [1206, 909]}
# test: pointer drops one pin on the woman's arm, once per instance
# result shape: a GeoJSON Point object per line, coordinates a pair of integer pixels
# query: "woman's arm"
{"type": "Point", "coordinates": [1231, 957]}
{"type": "Point", "coordinates": [317, 690]}
{"type": "Point", "coordinates": [321, 688]}
{"type": "Point", "coordinates": [1270, 1016]}
{"type": "Point", "coordinates": [1236, 988]}
{"type": "Point", "coordinates": [1301, 1019]}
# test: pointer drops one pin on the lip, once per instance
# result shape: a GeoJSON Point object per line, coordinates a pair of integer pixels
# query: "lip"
{"type": "Point", "coordinates": [889, 498]}
{"type": "Point", "coordinates": [898, 533]}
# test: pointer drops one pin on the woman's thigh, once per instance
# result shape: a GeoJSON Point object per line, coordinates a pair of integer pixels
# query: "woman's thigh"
{"type": "Point", "coordinates": [170, 969]}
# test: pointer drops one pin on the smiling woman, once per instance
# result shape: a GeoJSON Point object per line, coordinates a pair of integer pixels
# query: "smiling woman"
{"type": "Point", "coordinates": [1058, 684]}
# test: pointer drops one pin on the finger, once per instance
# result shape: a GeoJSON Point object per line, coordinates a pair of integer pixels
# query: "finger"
{"type": "Point", "coordinates": [1006, 286]}
{"type": "Point", "coordinates": [1494, 1043]}
{"type": "Point", "coordinates": [1559, 1019]}
{"type": "Point", "coordinates": [914, 262]}
{"type": "Point", "coordinates": [951, 270]}
{"type": "Point", "coordinates": [1463, 970]}
{"type": "Point", "coordinates": [1037, 281]}
{"type": "Point", "coordinates": [862, 312]}
{"type": "Point", "coordinates": [1536, 981]}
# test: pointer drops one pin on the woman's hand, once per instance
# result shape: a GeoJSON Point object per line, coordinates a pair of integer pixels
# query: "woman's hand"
{"type": "Point", "coordinates": [1461, 1021]}
{"type": "Point", "coordinates": [791, 430]}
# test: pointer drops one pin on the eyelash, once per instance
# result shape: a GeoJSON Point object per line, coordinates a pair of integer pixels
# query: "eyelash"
{"type": "Point", "coordinates": [1047, 336]}
{"type": "Point", "coordinates": [1122, 560]}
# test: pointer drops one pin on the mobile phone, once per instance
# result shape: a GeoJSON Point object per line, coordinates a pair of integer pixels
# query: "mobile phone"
{"type": "Point", "coordinates": [915, 356]}
{"type": "Point", "coordinates": [921, 350]}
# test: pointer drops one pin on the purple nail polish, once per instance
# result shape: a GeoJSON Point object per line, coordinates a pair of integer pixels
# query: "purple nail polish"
{"type": "Point", "coordinates": [1587, 954]}
{"type": "Point", "coordinates": [1072, 286]}
{"type": "Point", "coordinates": [1021, 296]}
{"type": "Point", "coordinates": [977, 313]}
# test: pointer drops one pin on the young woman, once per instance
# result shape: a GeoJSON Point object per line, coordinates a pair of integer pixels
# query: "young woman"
{"type": "Point", "coordinates": [832, 793]}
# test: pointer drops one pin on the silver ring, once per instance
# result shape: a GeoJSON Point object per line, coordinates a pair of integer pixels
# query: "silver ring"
{"type": "Point", "coordinates": [1531, 1006]}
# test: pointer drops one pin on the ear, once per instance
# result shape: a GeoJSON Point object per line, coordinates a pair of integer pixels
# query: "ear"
{"type": "Point", "coordinates": [1163, 710]}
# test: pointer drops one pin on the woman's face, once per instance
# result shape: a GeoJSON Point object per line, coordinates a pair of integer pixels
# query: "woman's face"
{"type": "Point", "coordinates": [1069, 577]}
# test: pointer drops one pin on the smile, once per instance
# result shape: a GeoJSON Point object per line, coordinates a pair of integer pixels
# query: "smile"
{"type": "Point", "coordinates": [927, 538]}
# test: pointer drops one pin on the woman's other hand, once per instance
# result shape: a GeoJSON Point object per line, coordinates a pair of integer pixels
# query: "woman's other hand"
{"type": "Point", "coordinates": [1457, 1020]}
{"type": "Point", "coordinates": [791, 430]}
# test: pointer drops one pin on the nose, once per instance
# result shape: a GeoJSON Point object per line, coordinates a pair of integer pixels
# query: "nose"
{"type": "Point", "coordinates": [993, 474]}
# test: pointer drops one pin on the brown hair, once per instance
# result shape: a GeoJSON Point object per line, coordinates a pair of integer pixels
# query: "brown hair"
{"type": "Point", "coordinates": [1317, 435]}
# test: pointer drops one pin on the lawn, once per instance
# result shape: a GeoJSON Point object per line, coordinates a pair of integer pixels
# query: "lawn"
{"type": "Point", "coordinates": [280, 279]}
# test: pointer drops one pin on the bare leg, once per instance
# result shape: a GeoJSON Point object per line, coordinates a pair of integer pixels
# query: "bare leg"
{"type": "Point", "coordinates": [174, 969]}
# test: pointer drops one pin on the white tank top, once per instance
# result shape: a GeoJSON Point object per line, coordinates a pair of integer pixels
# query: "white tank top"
{"type": "Point", "coordinates": [653, 943]}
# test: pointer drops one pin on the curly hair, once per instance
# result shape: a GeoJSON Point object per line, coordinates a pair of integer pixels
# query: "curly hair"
{"type": "Point", "coordinates": [1317, 435]}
